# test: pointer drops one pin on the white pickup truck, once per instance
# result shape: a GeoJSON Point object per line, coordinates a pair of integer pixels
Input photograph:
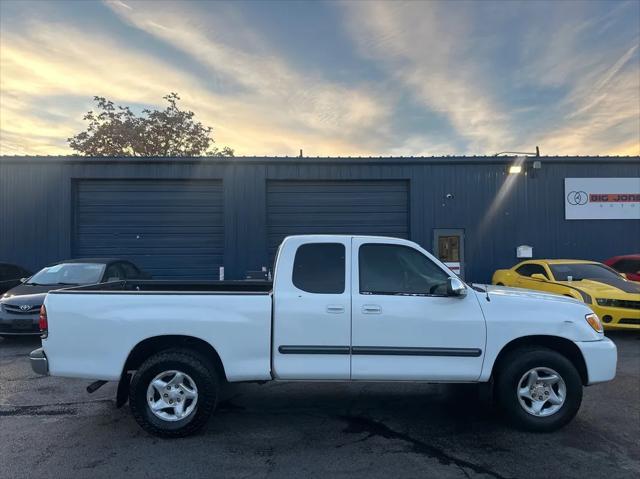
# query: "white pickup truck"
{"type": "Point", "coordinates": [341, 308]}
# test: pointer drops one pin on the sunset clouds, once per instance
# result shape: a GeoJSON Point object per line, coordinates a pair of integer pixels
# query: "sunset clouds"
{"type": "Point", "coordinates": [360, 78]}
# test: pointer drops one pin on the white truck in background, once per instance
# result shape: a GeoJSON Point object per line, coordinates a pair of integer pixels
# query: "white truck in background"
{"type": "Point", "coordinates": [341, 308]}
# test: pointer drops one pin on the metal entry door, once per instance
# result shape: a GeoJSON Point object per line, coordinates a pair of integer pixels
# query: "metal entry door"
{"type": "Point", "coordinates": [448, 247]}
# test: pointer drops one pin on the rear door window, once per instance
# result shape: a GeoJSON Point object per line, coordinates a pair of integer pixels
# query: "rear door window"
{"type": "Point", "coordinates": [320, 268]}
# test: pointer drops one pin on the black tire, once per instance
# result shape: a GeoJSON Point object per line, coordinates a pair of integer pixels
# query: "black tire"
{"type": "Point", "coordinates": [512, 368]}
{"type": "Point", "coordinates": [499, 284]}
{"type": "Point", "coordinates": [193, 364]}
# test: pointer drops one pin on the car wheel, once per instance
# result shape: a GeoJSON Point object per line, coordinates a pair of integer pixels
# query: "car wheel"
{"type": "Point", "coordinates": [173, 393]}
{"type": "Point", "coordinates": [539, 389]}
{"type": "Point", "coordinates": [499, 284]}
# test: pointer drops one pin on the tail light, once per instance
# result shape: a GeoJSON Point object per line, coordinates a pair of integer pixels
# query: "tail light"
{"type": "Point", "coordinates": [43, 323]}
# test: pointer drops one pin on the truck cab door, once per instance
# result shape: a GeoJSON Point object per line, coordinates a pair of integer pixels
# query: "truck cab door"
{"type": "Point", "coordinates": [405, 325]}
{"type": "Point", "coordinates": [312, 309]}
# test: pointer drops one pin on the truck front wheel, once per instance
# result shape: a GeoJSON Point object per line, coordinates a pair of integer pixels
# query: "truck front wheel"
{"type": "Point", "coordinates": [539, 389]}
{"type": "Point", "coordinates": [173, 393]}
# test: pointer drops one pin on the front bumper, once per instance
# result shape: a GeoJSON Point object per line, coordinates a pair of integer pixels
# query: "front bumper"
{"type": "Point", "coordinates": [39, 362]}
{"type": "Point", "coordinates": [18, 324]}
{"type": "Point", "coordinates": [601, 358]}
{"type": "Point", "coordinates": [617, 318]}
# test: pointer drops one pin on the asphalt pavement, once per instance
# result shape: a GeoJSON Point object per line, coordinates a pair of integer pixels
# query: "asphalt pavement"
{"type": "Point", "coordinates": [51, 427]}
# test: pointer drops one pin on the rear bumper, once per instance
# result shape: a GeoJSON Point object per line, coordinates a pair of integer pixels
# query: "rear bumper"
{"type": "Point", "coordinates": [601, 358]}
{"type": "Point", "coordinates": [39, 362]}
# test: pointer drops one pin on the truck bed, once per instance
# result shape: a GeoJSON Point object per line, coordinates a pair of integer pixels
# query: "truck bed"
{"type": "Point", "coordinates": [174, 287]}
{"type": "Point", "coordinates": [93, 329]}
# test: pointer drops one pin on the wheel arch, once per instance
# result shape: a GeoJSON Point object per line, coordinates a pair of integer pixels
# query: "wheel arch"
{"type": "Point", "coordinates": [561, 345]}
{"type": "Point", "coordinates": [149, 346]}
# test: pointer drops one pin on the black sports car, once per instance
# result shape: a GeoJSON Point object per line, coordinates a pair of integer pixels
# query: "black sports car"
{"type": "Point", "coordinates": [20, 306]}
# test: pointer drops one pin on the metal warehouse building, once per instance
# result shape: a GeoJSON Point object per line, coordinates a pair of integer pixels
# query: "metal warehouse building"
{"type": "Point", "coordinates": [185, 218]}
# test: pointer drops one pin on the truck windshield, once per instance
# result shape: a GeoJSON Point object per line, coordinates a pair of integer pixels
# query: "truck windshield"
{"type": "Point", "coordinates": [580, 271]}
{"type": "Point", "coordinates": [68, 273]}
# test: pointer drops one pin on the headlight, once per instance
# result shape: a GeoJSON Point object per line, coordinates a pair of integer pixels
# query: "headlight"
{"type": "Point", "coordinates": [594, 322]}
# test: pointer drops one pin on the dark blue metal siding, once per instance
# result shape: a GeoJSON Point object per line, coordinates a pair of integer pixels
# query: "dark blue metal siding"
{"type": "Point", "coordinates": [171, 229]}
{"type": "Point", "coordinates": [377, 207]}
{"type": "Point", "coordinates": [36, 203]}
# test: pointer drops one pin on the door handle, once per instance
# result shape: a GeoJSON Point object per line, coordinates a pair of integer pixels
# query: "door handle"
{"type": "Point", "coordinates": [335, 309]}
{"type": "Point", "coordinates": [371, 309]}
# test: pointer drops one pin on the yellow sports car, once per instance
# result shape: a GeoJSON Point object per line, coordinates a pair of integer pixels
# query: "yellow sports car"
{"type": "Point", "coordinates": [612, 297]}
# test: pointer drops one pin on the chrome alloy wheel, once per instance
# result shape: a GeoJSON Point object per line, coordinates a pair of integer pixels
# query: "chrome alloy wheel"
{"type": "Point", "coordinates": [541, 392]}
{"type": "Point", "coordinates": [172, 395]}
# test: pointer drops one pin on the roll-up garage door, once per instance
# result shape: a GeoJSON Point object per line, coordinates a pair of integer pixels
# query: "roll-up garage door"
{"type": "Point", "coordinates": [173, 229]}
{"type": "Point", "coordinates": [338, 207]}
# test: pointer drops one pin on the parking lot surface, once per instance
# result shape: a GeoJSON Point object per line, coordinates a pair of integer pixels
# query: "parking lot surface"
{"type": "Point", "coordinates": [51, 427]}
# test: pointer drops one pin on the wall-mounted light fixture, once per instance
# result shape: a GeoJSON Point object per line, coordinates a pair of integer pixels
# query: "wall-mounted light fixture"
{"type": "Point", "coordinates": [518, 166]}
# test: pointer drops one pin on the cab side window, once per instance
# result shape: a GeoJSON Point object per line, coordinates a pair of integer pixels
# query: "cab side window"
{"type": "Point", "coordinates": [398, 269]}
{"type": "Point", "coordinates": [529, 269]}
{"type": "Point", "coordinates": [320, 268]}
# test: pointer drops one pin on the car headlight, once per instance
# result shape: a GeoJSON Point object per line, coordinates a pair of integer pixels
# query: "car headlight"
{"type": "Point", "coordinates": [594, 322]}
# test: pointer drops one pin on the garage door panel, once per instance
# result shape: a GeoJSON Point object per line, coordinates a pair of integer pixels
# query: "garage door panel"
{"type": "Point", "coordinates": [331, 210]}
{"type": "Point", "coordinates": [329, 219]}
{"type": "Point", "coordinates": [336, 207]}
{"type": "Point", "coordinates": [335, 199]}
{"type": "Point", "coordinates": [174, 229]}
{"type": "Point", "coordinates": [157, 220]}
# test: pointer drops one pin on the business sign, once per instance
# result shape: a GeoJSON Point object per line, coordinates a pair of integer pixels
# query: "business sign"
{"type": "Point", "coordinates": [602, 198]}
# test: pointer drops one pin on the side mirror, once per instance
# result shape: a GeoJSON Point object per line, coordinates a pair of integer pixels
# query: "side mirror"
{"type": "Point", "coordinates": [455, 287]}
{"type": "Point", "coordinates": [23, 280]}
{"type": "Point", "coordinates": [539, 276]}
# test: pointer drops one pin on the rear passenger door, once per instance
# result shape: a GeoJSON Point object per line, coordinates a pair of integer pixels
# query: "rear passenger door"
{"type": "Point", "coordinates": [312, 310]}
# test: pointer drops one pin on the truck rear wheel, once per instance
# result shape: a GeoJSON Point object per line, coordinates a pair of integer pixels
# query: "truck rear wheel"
{"type": "Point", "coordinates": [539, 389]}
{"type": "Point", "coordinates": [173, 393]}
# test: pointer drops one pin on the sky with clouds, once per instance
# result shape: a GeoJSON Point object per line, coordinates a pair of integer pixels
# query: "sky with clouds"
{"type": "Point", "coordinates": [333, 78]}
